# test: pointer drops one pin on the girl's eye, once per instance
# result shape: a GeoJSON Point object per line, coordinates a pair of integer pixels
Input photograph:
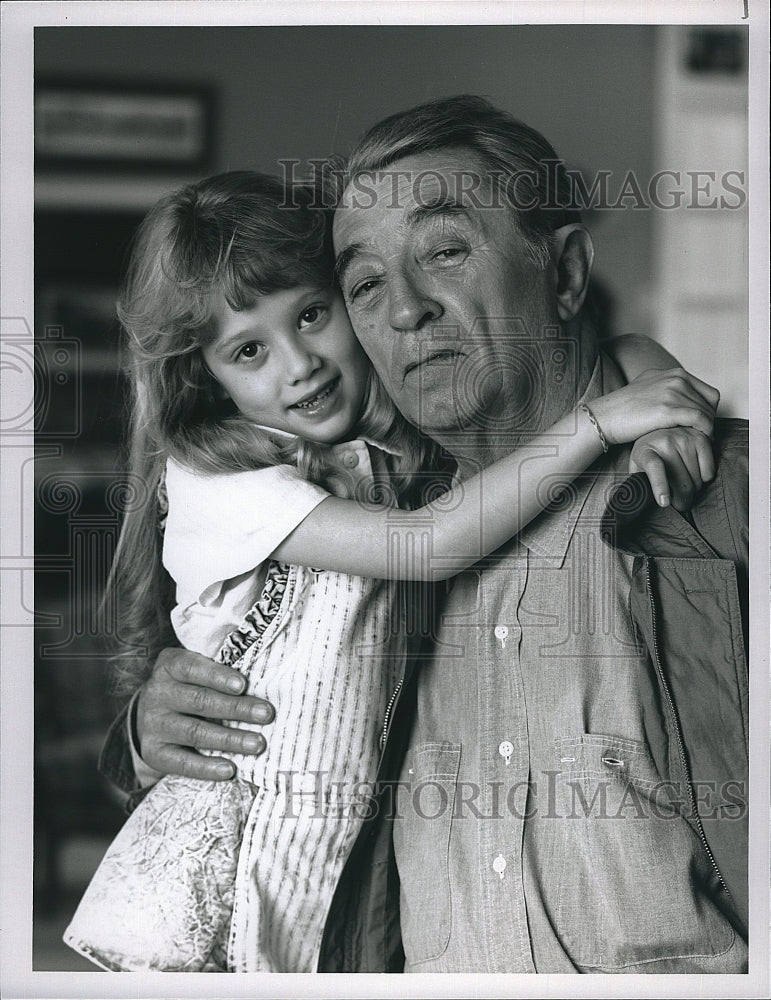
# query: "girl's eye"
{"type": "Point", "coordinates": [250, 351]}
{"type": "Point", "coordinates": [311, 315]}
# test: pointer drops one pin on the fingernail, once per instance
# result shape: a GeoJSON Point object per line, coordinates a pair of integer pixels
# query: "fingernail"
{"type": "Point", "coordinates": [253, 743]}
{"type": "Point", "coordinates": [262, 716]}
{"type": "Point", "coordinates": [236, 684]}
{"type": "Point", "coordinates": [224, 770]}
{"type": "Point", "coordinates": [664, 500]}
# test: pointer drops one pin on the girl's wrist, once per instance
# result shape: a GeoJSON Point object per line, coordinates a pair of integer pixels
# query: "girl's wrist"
{"type": "Point", "coordinates": [590, 415]}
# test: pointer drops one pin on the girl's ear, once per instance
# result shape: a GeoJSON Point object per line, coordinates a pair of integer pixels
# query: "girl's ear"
{"type": "Point", "coordinates": [572, 255]}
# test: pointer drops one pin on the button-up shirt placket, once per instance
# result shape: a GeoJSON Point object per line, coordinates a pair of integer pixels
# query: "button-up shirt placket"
{"type": "Point", "coordinates": [505, 767]}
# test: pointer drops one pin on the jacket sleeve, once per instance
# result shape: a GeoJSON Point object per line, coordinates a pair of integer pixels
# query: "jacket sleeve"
{"type": "Point", "coordinates": [117, 760]}
{"type": "Point", "coordinates": [721, 515]}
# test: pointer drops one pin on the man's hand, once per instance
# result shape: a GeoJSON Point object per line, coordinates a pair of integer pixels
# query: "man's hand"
{"type": "Point", "coordinates": [173, 707]}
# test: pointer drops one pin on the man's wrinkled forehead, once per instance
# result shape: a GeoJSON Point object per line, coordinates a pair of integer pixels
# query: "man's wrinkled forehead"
{"type": "Point", "coordinates": [416, 188]}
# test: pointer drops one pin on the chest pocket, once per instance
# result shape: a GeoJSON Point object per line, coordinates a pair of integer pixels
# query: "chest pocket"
{"type": "Point", "coordinates": [422, 847]}
{"type": "Point", "coordinates": [635, 885]}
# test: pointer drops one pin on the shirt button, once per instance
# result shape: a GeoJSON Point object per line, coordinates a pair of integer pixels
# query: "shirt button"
{"type": "Point", "coordinates": [350, 460]}
{"type": "Point", "coordinates": [499, 865]}
{"type": "Point", "coordinates": [501, 633]}
{"type": "Point", "coordinates": [506, 749]}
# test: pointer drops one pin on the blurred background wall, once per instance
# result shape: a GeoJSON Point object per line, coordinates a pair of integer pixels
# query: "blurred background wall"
{"type": "Point", "coordinates": [615, 99]}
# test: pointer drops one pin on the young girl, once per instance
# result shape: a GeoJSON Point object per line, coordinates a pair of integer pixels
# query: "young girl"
{"type": "Point", "coordinates": [275, 462]}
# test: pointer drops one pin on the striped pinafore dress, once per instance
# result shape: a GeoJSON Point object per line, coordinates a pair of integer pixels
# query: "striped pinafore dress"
{"type": "Point", "coordinates": [238, 876]}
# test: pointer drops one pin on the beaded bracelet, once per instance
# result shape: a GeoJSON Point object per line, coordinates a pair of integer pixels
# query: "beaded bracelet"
{"type": "Point", "coordinates": [595, 425]}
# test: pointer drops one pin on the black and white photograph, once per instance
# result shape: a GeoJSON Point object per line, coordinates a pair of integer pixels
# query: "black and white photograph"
{"type": "Point", "coordinates": [385, 470]}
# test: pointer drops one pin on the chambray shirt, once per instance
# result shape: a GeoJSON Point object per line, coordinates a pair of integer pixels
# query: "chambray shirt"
{"type": "Point", "coordinates": [527, 837]}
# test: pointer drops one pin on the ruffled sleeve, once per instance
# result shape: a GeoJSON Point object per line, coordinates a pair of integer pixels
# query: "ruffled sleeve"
{"type": "Point", "coordinates": [221, 526]}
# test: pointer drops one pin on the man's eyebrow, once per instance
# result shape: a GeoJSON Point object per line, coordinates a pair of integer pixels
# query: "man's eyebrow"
{"type": "Point", "coordinates": [413, 218]}
{"type": "Point", "coordinates": [344, 260]}
{"type": "Point", "coordinates": [439, 209]}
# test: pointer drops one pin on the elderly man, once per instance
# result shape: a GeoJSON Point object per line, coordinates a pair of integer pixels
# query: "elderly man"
{"type": "Point", "coordinates": [562, 789]}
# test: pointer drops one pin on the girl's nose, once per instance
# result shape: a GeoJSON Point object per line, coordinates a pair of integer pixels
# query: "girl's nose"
{"type": "Point", "coordinates": [300, 362]}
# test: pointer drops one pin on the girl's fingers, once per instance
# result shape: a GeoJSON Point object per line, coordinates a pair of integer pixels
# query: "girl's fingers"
{"type": "Point", "coordinates": [682, 486]}
{"type": "Point", "coordinates": [677, 461]}
{"type": "Point", "coordinates": [690, 384]}
{"type": "Point", "coordinates": [707, 391]}
{"type": "Point", "coordinates": [706, 459]}
{"type": "Point", "coordinates": [651, 464]}
{"type": "Point", "coordinates": [685, 449]}
{"type": "Point", "coordinates": [696, 417]}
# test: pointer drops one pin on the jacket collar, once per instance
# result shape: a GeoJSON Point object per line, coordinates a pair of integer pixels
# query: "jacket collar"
{"type": "Point", "coordinates": [633, 521]}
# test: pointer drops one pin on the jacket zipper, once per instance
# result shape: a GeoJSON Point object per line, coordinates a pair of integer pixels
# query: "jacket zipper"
{"type": "Point", "coordinates": [387, 717]}
{"type": "Point", "coordinates": [678, 733]}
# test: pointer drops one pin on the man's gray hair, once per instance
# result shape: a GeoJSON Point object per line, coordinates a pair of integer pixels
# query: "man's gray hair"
{"type": "Point", "coordinates": [527, 173]}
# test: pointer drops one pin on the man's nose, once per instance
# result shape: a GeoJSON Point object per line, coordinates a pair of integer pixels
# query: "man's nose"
{"type": "Point", "coordinates": [411, 306]}
{"type": "Point", "coordinates": [299, 362]}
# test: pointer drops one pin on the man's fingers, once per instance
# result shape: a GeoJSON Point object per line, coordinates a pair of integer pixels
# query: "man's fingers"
{"type": "Point", "coordinates": [191, 700]}
{"type": "Point", "coordinates": [172, 759]}
{"type": "Point", "coordinates": [192, 668]}
{"type": "Point", "coordinates": [186, 731]}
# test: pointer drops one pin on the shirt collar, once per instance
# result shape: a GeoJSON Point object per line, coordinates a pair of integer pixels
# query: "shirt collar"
{"type": "Point", "coordinates": [395, 453]}
{"type": "Point", "coordinates": [550, 534]}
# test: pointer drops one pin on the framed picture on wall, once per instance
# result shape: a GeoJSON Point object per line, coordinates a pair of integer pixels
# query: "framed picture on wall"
{"type": "Point", "coordinates": [83, 124]}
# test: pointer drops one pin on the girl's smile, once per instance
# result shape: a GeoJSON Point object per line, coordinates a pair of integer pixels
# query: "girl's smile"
{"type": "Point", "coordinates": [291, 361]}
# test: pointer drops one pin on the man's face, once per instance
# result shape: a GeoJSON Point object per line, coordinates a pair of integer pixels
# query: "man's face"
{"type": "Point", "coordinates": [443, 294]}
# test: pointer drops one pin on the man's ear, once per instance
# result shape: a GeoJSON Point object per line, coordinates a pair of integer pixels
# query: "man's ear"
{"type": "Point", "coordinates": [572, 255]}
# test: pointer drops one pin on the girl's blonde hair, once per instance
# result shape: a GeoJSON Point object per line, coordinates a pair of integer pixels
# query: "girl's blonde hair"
{"type": "Point", "coordinates": [235, 236]}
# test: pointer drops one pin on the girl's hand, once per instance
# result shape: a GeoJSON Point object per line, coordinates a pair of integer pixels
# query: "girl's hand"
{"type": "Point", "coordinates": [655, 400]}
{"type": "Point", "coordinates": [678, 461]}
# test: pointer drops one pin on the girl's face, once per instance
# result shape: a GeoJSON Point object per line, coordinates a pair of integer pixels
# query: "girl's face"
{"type": "Point", "coordinates": [291, 362]}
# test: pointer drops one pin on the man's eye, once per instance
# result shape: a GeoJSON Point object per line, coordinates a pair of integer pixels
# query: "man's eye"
{"type": "Point", "coordinates": [449, 254]}
{"type": "Point", "coordinates": [311, 315]}
{"type": "Point", "coordinates": [249, 351]}
{"type": "Point", "coordinates": [363, 288]}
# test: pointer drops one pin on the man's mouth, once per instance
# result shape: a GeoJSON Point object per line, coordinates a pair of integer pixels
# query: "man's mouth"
{"type": "Point", "coordinates": [435, 357]}
{"type": "Point", "coordinates": [311, 402]}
